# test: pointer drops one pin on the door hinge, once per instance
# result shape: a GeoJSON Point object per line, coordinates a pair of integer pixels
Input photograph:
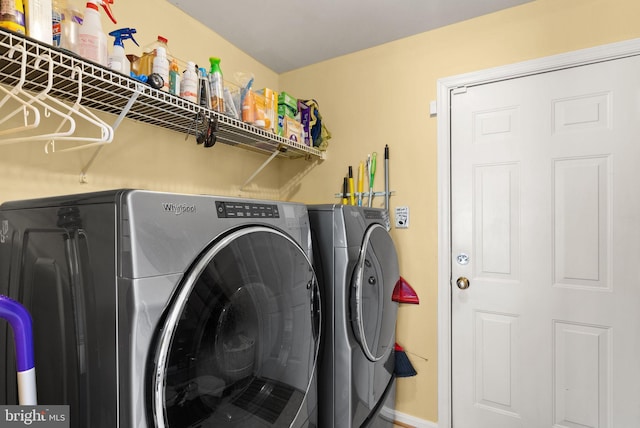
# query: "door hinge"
{"type": "Point", "coordinates": [459, 90]}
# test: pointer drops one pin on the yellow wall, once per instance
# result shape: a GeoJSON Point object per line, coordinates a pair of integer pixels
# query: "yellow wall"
{"type": "Point", "coordinates": [368, 99]}
{"type": "Point", "coordinates": [381, 96]}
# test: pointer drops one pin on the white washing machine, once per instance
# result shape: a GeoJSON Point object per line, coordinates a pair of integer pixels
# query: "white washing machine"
{"type": "Point", "coordinates": [357, 267]}
{"type": "Point", "coordinates": [165, 310]}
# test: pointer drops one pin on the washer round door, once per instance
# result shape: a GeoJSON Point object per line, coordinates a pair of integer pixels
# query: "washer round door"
{"type": "Point", "coordinates": [373, 311]}
{"type": "Point", "coordinates": [239, 340]}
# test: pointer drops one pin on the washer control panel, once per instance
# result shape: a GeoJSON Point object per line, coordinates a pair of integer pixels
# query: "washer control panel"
{"type": "Point", "coordinates": [246, 210]}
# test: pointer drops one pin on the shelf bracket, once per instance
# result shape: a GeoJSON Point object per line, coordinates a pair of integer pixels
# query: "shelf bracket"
{"type": "Point", "coordinates": [116, 124]}
{"type": "Point", "coordinates": [264, 164]}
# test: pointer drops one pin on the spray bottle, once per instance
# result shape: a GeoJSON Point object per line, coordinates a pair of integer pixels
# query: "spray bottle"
{"type": "Point", "coordinates": [216, 85]}
{"type": "Point", "coordinates": [92, 40]}
{"type": "Point", "coordinates": [118, 60]}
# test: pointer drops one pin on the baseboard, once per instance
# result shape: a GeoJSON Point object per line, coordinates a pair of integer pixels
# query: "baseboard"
{"type": "Point", "coordinates": [412, 422]}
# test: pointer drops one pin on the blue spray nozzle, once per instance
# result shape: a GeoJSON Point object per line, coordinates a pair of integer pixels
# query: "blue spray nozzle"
{"type": "Point", "coordinates": [123, 34]}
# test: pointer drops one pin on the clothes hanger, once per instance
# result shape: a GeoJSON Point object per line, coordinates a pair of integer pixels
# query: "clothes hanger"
{"type": "Point", "coordinates": [26, 108]}
{"type": "Point", "coordinates": [77, 109]}
{"type": "Point", "coordinates": [29, 99]}
{"type": "Point", "coordinates": [66, 112]}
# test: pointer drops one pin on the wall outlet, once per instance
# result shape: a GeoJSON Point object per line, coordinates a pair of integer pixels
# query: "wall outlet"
{"type": "Point", "coordinates": [402, 217]}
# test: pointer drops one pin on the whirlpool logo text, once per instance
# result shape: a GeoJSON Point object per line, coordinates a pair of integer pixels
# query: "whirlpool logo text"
{"type": "Point", "coordinates": [178, 209]}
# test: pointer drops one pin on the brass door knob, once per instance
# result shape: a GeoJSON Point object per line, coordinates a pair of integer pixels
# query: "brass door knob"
{"type": "Point", "coordinates": [462, 283]}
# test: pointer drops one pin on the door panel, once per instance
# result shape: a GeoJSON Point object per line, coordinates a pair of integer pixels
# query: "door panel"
{"type": "Point", "coordinates": [543, 202]}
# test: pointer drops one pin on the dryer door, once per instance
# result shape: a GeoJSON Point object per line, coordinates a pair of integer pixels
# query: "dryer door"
{"type": "Point", "coordinates": [373, 312]}
{"type": "Point", "coordinates": [239, 341]}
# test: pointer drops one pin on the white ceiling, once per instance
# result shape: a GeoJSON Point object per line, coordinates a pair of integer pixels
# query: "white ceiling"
{"type": "Point", "coordinates": [289, 34]}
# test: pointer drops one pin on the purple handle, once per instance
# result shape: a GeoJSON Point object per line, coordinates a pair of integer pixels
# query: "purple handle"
{"type": "Point", "coordinates": [20, 320]}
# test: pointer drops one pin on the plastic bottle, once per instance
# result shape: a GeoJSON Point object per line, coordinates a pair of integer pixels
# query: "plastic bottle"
{"type": "Point", "coordinates": [92, 40]}
{"type": "Point", "coordinates": [118, 60]}
{"type": "Point", "coordinates": [189, 83]}
{"type": "Point", "coordinates": [70, 26]}
{"type": "Point", "coordinates": [37, 15]}
{"type": "Point", "coordinates": [161, 67]}
{"type": "Point", "coordinates": [216, 85]}
{"type": "Point", "coordinates": [204, 88]}
{"type": "Point", "coordinates": [12, 16]}
{"type": "Point", "coordinates": [149, 52]}
{"type": "Point", "coordinates": [174, 77]}
{"type": "Point", "coordinates": [58, 15]}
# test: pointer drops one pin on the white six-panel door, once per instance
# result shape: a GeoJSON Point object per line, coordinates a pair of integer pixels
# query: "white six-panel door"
{"type": "Point", "coordinates": [545, 227]}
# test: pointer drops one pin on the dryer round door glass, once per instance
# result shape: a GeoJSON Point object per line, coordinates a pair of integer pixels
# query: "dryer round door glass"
{"type": "Point", "coordinates": [372, 287]}
{"type": "Point", "coordinates": [239, 342]}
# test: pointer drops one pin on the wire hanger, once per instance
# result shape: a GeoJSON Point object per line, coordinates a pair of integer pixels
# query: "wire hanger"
{"type": "Point", "coordinates": [66, 113]}
{"type": "Point", "coordinates": [48, 110]}
{"type": "Point", "coordinates": [106, 131]}
{"type": "Point", "coordinates": [26, 108]}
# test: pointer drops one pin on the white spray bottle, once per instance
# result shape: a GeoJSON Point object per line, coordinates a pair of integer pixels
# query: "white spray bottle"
{"type": "Point", "coordinates": [92, 41]}
{"type": "Point", "coordinates": [118, 60]}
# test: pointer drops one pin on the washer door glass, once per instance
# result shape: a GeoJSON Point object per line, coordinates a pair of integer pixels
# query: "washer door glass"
{"type": "Point", "coordinates": [373, 311]}
{"type": "Point", "coordinates": [239, 342]}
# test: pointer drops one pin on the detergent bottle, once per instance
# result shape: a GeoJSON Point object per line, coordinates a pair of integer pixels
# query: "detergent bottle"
{"type": "Point", "coordinates": [12, 16]}
{"type": "Point", "coordinates": [145, 64]}
{"type": "Point", "coordinates": [92, 43]}
{"type": "Point", "coordinates": [161, 67]}
{"type": "Point", "coordinates": [216, 85]}
{"type": "Point", "coordinates": [118, 60]}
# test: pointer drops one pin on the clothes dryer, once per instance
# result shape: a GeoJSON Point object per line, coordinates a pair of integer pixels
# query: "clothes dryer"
{"type": "Point", "coordinates": [164, 310]}
{"type": "Point", "coordinates": [357, 267]}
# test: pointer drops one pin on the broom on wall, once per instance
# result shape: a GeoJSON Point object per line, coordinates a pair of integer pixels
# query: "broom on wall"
{"type": "Point", "coordinates": [403, 366]}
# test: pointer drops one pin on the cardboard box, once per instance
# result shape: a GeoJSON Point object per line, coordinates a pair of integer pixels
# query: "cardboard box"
{"type": "Point", "coordinates": [288, 100]}
{"type": "Point", "coordinates": [305, 121]}
{"type": "Point", "coordinates": [284, 111]}
{"type": "Point", "coordinates": [293, 130]}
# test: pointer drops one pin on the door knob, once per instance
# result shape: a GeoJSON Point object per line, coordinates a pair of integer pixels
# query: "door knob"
{"type": "Point", "coordinates": [462, 283]}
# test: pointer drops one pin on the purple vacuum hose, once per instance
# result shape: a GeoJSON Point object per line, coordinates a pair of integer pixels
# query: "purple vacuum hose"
{"type": "Point", "coordinates": [21, 323]}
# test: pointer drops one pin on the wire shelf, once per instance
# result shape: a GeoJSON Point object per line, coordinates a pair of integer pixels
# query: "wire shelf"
{"type": "Point", "coordinates": [109, 91]}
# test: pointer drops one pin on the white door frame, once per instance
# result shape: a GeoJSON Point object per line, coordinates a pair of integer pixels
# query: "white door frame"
{"type": "Point", "coordinates": [445, 86]}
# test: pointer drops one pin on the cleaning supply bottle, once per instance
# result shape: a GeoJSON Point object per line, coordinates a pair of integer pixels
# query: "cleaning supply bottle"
{"type": "Point", "coordinates": [204, 88]}
{"type": "Point", "coordinates": [216, 85]}
{"type": "Point", "coordinates": [12, 16]}
{"type": "Point", "coordinates": [161, 67]}
{"type": "Point", "coordinates": [70, 26]}
{"type": "Point", "coordinates": [145, 65]}
{"type": "Point", "coordinates": [174, 77]}
{"type": "Point", "coordinates": [37, 15]}
{"type": "Point", "coordinates": [189, 83]}
{"type": "Point", "coordinates": [58, 15]}
{"type": "Point", "coordinates": [118, 60]}
{"type": "Point", "coordinates": [92, 40]}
